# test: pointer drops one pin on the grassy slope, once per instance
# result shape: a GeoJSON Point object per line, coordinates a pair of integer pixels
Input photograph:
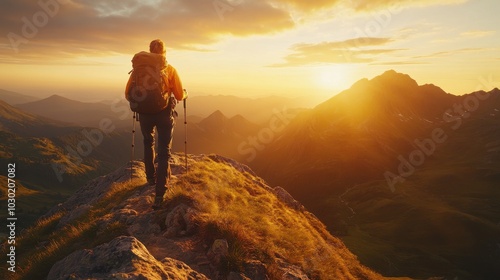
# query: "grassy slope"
{"type": "Point", "coordinates": [265, 227]}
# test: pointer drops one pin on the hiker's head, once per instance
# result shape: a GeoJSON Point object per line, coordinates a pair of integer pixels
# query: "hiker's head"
{"type": "Point", "coordinates": [157, 46]}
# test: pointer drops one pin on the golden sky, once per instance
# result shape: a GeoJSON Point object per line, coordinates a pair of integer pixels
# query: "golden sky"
{"type": "Point", "coordinates": [82, 49]}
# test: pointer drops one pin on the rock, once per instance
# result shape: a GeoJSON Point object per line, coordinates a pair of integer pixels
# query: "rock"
{"type": "Point", "coordinates": [180, 221]}
{"type": "Point", "coordinates": [290, 271]}
{"type": "Point", "coordinates": [236, 276]}
{"type": "Point", "coordinates": [183, 270]}
{"type": "Point", "coordinates": [144, 226]}
{"type": "Point", "coordinates": [74, 214]}
{"type": "Point", "coordinates": [218, 251]}
{"type": "Point", "coordinates": [292, 274]}
{"type": "Point", "coordinates": [255, 270]}
{"type": "Point", "coordinates": [122, 258]}
{"type": "Point", "coordinates": [288, 199]}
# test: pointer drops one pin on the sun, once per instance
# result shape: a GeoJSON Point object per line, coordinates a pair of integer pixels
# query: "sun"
{"type": "Point", "coordinates": [332, 77]}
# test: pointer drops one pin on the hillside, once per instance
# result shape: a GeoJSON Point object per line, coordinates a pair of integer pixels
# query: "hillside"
{"type": "Point", "coordinates": [402, 170]}
{"type": "Point", "coordinates": [16, 121]}
{"type": "Point", "coordinates": [219, 221]}
{"type": "Point", "coordinates": [53, 159]}
{"type": "Point", "coordinates": [74, 112]}
{"type": "Point", "coordinates": [14, 98]}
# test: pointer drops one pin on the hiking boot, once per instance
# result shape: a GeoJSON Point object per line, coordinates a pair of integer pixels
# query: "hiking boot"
{"type": "Point", "coordinates": [157, 203]}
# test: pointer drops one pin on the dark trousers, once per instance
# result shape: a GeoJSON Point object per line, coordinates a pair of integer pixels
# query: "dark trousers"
{"type": "Point", "coordinates": [164, 122]}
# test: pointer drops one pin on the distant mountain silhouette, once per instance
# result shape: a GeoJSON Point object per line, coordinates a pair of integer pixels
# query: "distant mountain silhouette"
{"type": "Point", "coordinates": [218, 221]}
{"type": "Point", "coordinates": [16, 121]}
{"type": "Point", "coordinates": [14, 98]}
{"type": "Point", "coordinates": [215, 121]}
{"type": "Point", "coordinates": [75, 112]}
{"type": "Point", "coordinates": [256, 110]}
{"type": "Point", "coordinates": [215, 134]}
{"type": "Point", "coordinates": [401, 168]}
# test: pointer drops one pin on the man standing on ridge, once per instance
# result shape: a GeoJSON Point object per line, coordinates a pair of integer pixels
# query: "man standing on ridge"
{"type": "Point", "coordinates": [164, 121]}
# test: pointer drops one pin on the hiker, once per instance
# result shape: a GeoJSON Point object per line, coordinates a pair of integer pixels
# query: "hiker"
{"type": "Point", "coordinates": [160, 114]}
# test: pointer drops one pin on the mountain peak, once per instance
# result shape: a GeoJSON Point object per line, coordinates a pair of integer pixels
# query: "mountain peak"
{"type": "Point", "coordinates": [218, 115]}
{"type": "Point", "coordinates": [53, 100]}
{"type": "Point", "coordinates": [59, 98]}
{"type": "Point", "coordinates": [391, 77]}
{"type": "Point", "coordinates": [216, 120]}
{"type": "Point", "coordinates": [217, 220]}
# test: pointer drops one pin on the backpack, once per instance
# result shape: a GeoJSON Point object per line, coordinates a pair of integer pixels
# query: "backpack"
{"type": "Point", "coordinates": [147, 93]}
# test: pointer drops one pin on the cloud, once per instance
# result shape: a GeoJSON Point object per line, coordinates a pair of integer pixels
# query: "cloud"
{"type": "Point", "coordinates": [121, 26]}
{"type": "Point", "coordinates": [450, 52]}
{"type": "Point", "coordinates": [396, 5]}
{"type": "Point", "coordinates": [477, 33]}
{"type": "Point", "coordinates": [308, 6]}
{"type": "Point", "coordinates": [58, 29]}
{"type": "Point", "coordinates": [348, 51]}
{"type": "Point", "coordinates": [398, 63]}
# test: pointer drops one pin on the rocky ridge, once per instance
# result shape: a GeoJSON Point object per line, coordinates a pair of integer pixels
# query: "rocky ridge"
{"type": "Point", "coordinates": [187, 238]}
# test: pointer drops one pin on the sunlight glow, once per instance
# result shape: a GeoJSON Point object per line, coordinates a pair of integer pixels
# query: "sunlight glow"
{"type": "Point", "coordinates": [333, 77]}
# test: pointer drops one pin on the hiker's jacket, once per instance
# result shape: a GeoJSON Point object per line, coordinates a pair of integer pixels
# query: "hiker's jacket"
{"type": "Point", "coordinates": [171, 81]}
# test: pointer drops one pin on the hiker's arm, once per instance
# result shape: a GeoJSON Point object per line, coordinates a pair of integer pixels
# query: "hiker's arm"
{"type": "Point", "coordinates": [176, 84]}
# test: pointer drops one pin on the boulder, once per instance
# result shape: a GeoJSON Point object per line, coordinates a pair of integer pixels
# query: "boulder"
{"type": "Point", "coordinates": [124, 257]}
{"type": "Point", "coordinates": [180, 221]}
{"type": "Point", "coordinates": [218, 252]}
{"type": "Point", "coordinates": [287, 199]}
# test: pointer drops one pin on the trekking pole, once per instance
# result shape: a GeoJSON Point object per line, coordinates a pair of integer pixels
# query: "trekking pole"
{"type": "Point", "coordinates": [132, 154]}
{"type": "Point", "coordinates": [185, 131]}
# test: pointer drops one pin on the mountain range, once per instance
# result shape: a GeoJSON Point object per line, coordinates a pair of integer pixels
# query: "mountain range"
{"type": "Point", "coordinates": [56, 107]}
{"type": "Point", "coordinates": [406, 174]}
{"type": "Point", "coordinates": [209, 129]}
{"type": "Point", "coordinates": [74, 112]}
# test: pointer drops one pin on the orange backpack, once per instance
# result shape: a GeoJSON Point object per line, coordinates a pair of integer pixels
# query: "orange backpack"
{"type": "Point", "coordinates": [147, 93]}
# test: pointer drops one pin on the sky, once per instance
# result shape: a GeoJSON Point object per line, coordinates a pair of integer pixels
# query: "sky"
{"type": "Point", "coordinates": [250, 48]}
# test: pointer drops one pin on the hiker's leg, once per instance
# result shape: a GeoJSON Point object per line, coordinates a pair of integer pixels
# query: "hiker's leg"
{"type": "Point", "coordinates": [147, 128]}
{"type": "Point", "coordinates": [165, 130]}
